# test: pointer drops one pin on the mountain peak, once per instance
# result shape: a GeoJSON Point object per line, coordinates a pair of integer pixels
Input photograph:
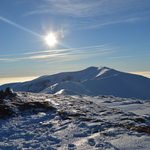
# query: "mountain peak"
{"type": "Point", "coordinates": [90, 81]}
{"type": "Point", "coordinates": [103, 67]}
{"type": "Point", "coordinates": [97, 68]}
{"type": "Point", "coordinates": [91, 68]}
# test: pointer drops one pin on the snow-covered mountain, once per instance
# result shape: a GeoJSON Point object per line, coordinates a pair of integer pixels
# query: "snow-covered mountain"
{"type": "Point", "coordinates": [91, 81]}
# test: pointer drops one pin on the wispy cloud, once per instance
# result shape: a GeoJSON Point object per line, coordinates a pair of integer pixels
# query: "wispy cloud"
{"type": "Point", "coordinates": [120, 57]}
{"type": "Point", "coordinates": [62, 54]}
{"type": "Point", "coordinates": [88, 8]}
{"type": "Point", "coordinates": [8, 59]}
{"type": "Point", "coordinates": [75, 8]}
{"type": "Point", "coordinates": [78, 56]}
{"type": "Point", "coordinates": [95, 13]}
{"type": "Point", "coordinates": [98, 23]}
{"type": "Point", "coordinates": [37, 52]}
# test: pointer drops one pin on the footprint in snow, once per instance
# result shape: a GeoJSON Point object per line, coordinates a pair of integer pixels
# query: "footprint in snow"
{"type": "Point", "coordinates": [80, 134]}
{"type": "Point", "coordinates": [53, 139]}
{"type": "Point", "coordinates": [91, 142]}
{"type": "Point", "coordinates": [105, 145]}
{"type": "Point", "coordinates": [71, 147]}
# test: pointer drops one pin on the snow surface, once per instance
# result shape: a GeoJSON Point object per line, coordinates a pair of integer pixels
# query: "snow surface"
{"type": "Point", "coordinates": [91, 81]}
{"type": "Point", "coordinates": [79, 122]}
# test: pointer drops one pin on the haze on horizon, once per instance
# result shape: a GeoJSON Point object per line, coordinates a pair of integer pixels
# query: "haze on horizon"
{"type": "Point", "coordinates": [92, 33]}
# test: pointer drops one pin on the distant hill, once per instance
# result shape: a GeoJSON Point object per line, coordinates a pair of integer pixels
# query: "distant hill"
{"type": "Point", "coordinates": [91, 81]}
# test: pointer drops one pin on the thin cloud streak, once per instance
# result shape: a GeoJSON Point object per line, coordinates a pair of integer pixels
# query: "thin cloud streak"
{"type": "Point", "coordinates": [8, 59]}
{"type": "Point", "coordinates": [47, 51]}
{"type": "Point", "coordinates": [37, 52]}
{"type": "Point", "coordinates": [45, 56]}
{"type": "Point", "coordinates": [120, 57]}
{"type": "Point", "coordinates": [72, 56]}
{"type": "Point", "coordinates": [75, 53]}
{"type": "Point", "coordinates": [98, 24]}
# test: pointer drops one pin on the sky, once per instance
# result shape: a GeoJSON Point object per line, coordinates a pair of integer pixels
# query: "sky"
{"type": "Point", "coordinates": [111, 33]}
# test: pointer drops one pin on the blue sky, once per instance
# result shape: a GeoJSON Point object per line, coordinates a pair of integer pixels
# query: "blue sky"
{"type": "Point", "coordinates": [112, 33]}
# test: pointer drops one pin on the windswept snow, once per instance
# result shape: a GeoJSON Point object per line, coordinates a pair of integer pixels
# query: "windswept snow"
{"type": "Point", "coordinates": [76, 122]}
{"type": "Point", "coordinates": [91, 81]}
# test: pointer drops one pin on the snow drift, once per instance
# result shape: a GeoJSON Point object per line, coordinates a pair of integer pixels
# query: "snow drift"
{"type": "Point", "coordinates": [91, 81]}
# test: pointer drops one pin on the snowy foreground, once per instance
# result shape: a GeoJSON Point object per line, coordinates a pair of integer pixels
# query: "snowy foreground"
{"type": "Point", "coordinates": [63, 122]}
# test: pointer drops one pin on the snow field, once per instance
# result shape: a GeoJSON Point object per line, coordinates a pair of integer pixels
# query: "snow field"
{"type": "Point", "coordinates": [79, 122]}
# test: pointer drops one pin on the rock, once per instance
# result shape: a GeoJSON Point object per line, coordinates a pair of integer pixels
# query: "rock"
{"type": "Point", "coordinates": [9, 90]}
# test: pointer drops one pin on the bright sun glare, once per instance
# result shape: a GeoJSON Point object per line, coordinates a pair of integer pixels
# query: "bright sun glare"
{"type": "Point", "coordinates": [51, 39]}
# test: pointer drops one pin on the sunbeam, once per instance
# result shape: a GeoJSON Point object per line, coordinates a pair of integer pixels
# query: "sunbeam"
{"type": "Point", "coordinates": [16, 25]}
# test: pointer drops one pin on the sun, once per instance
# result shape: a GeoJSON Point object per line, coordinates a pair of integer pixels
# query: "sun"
{"type": "Point", "coordinates": [51, 39]}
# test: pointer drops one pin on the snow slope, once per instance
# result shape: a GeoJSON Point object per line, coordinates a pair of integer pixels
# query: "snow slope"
{"type": "Point", "coordinates": [91, 81]}
{"type": "Point", "coordinates": [77, 123]}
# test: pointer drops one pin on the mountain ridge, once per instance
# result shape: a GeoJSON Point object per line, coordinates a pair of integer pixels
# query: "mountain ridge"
{"type": "Point", "coordinates": [90, 81]}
